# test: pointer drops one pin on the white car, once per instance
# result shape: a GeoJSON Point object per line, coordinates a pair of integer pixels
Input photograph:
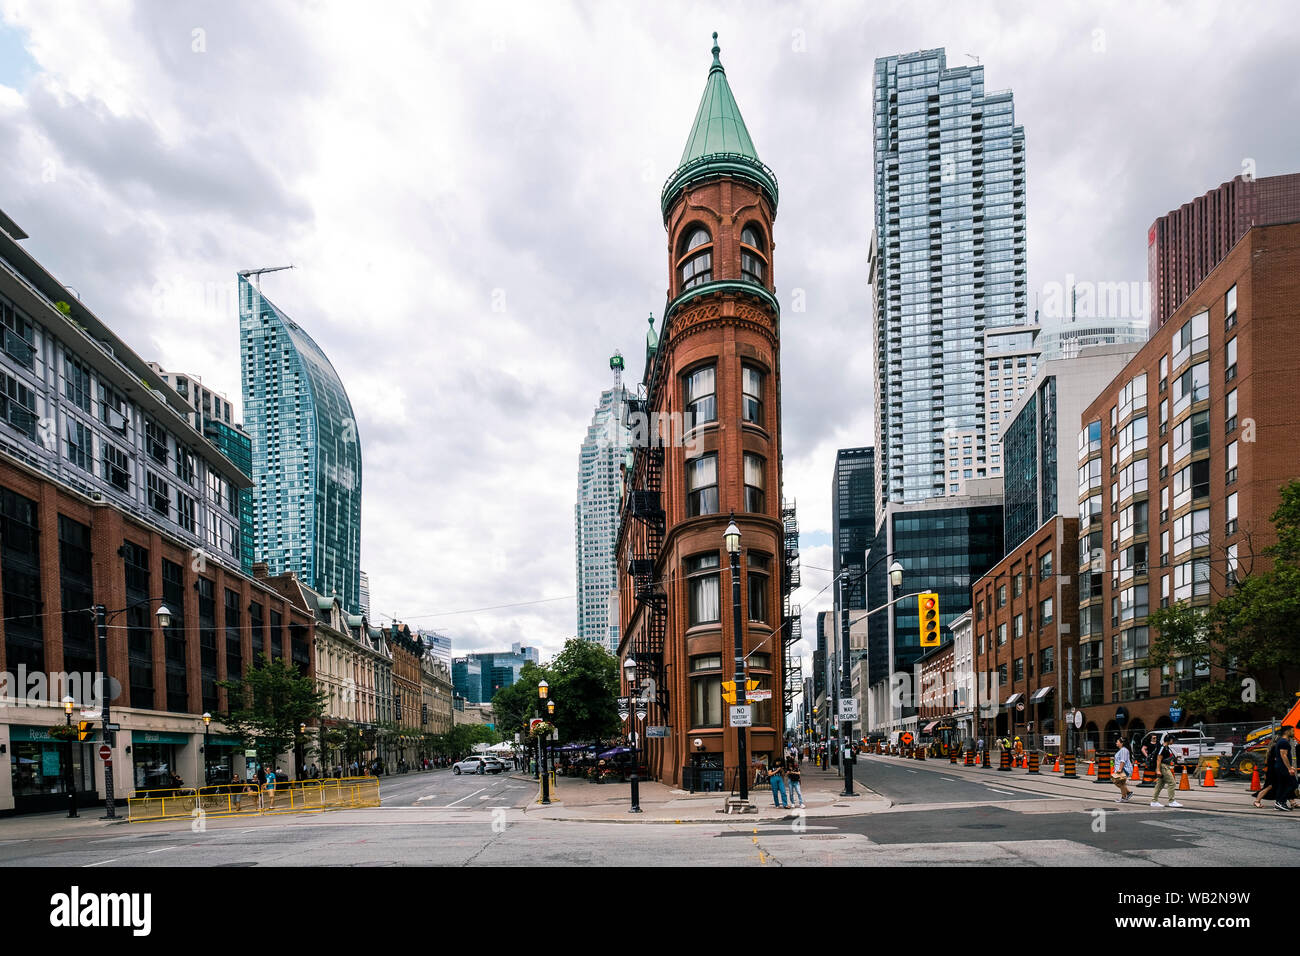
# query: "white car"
{"type": "Point", "coordinates": [478, 764]}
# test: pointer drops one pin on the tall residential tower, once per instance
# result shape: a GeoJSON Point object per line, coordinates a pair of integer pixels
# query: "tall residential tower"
{"type": "Point", "coordinates": [306, 453]}
{"type": "Point", "coordinates": [947, 267]}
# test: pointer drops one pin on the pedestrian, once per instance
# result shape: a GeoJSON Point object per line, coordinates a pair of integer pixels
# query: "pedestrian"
{"type": "Point", "coordinates": [1164, 767]}
{"type": "Point", "coordinates": [776, 777]}
{"type": "Point", "coordinates": [1123, 766]}
{"type": "Point", "coordinates": [792, 780]}
{"type": "Point", "coordinates": [1279, 776]}
{"type": "Point", "coordinates": [270, 788]}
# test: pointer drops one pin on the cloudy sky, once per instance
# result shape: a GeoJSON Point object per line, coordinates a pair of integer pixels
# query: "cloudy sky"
{"type": "Point", "coordinates": [469, 193]}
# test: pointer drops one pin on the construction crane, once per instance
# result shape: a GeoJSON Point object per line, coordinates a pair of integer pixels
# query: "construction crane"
{"type": "Point", "coordinates": [258, 273]}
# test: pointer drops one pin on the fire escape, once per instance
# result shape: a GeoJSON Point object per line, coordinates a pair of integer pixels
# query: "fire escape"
{"type": "Point", "coordinates": [645, 504]}
{"type": "Point", "coordinates": [792, 619]}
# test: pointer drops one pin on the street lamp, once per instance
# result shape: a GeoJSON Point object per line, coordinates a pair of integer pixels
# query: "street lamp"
{"type": "Point", "coordinates": [68, 704]}
{"type": "Point", "coordinates": [731, 540]}
{"type": "Point", "coordinates": [207, 756]}
{"type": "Point", "coordinates": [542, 689]}
{"type": "Point", "coordinates": [302, 754]}
{"type": "Point", "coordinates": [102, 615]}
{"type": "Point", "coordinates": [629, 672]}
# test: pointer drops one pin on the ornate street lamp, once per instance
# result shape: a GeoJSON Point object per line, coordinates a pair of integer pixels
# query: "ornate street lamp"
{"type": "Point", "coordinates": [68, 704]}
{"type": "Point", "coordinates": [731, 540]}
{"type": "Point", "coordinates": [629, 672]}
{"type": "Point", "coordinates": [207, 755]}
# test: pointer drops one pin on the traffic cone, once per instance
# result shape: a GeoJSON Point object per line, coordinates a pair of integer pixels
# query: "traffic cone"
{"type": "Point", "coordinates": [1254, 781]}
{"type": "Point", "coordinates": [1056, 767]}
{"type": "Point", "coordinates": [1137, 774]}
{"type": "Point", "coordinates": [1092, 768]}
{"type": "Point", "coordinates": [1182, 782]}
{"type": "Point", "coordinates": [1209, 778]}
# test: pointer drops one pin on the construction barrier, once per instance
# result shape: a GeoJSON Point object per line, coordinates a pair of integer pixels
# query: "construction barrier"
{"type": "Point", "coordinates": [1071, 764]}
{"type": "Point", "coordinates": [920, 753]}
{"type": "Point", "coordinates": [296, 796]}
{"type": "Point", "coordinates": [985, 761]}
{"type": "Point", "coordinates": [952, 755]}
{"type": "Point", "coordinates": [970, 758]}
{"type": "Point", "coordinates": [1103, 768]}
{"type": "Point", "coordinates": [1004, 762]}
{"type": "Point", "coordinates": [1149, 777]}
{"type": "Point", "coordinates": [1033, 761]}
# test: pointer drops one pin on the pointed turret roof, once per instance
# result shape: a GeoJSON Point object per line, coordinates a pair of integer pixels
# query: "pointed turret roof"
{"type": "Point", "coordinates": [719, 127]}
{"type": "Point", "coordinates": [719, 141]}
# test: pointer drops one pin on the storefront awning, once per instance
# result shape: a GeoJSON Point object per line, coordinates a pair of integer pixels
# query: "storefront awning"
{"type": "Point", "coordinates": [1041, 693]}
{"type": "Point", "coordinates": [929, 728]}
{"type": "Point", "coordinates": [1011, 701]}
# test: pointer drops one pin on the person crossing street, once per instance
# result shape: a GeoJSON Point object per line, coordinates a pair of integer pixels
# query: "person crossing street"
{"type": "Point", "coordinates": [1164, 766]}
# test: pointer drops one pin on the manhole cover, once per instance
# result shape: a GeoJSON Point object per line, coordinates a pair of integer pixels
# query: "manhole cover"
{"type": "Point", "coordinates": [823, 836]}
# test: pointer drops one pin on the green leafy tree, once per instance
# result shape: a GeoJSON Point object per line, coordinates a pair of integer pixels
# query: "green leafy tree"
{"type": "Point", "coordinates": [268, 704]}
{"type": "Point", "coordinates": [1249, 634]}
{"type": "Point", "coordinates": [514, 706]}
{"type": "Point", "coordinates": [585, 688]}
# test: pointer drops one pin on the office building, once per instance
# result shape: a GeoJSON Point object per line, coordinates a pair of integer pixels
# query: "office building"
{"type": "Point", "coordinates": [1067, 339]}
{"type": "Point", "coordinates": [595, 514]}
{"type": "Point", "coordinates": [1185, 245]}
{"type": "Point", "coordinates": [363, 599]}
{"type": "Point", "coordinates": [947, 269]}
{"type": "Point", "coordinates": [853, 519]}
{"type": "Point", "coordinates": [440, 644]}
{"type": "Point", "coordinates": [716, 357]}
{"type": "Point", "coordinates": [306, 452]}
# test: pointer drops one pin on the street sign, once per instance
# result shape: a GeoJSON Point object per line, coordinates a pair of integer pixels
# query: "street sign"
{"type": "Point", "coordinates": [1078, 719]}
{"type": "Point", "coordinates": [640, 713]}
{"type": "Point", "coordinates": [622, 714]}
{"type": "Point", "coordinates": [754, 695]}
{"type": "Point", "coordinates": [1121, 716]}
{"type": "Point", "coordinates": [1020, 705]}
{"type": "Point", "coordinates": [848, 709]}
{"type": "Point", "coordinates": [250, 753]}
{"type": "Point", "coordinates": [1051, 740]}
{"type": "Point", "coordinates": [907, 737]}
{"type": "Point", "coordinates": [106, 753]}
{"type": "Point", "coordinates": [624, 703]}
{"type": "Point", "coordinates": [516, 738]}
{"type": "Point", "coordinates": [742, 716]}
{"type": "Point", "coordinates": [1175, 712]}
{"type": "Point", "coordinates": [656, 731]}
{"type": "Point", "coordinates": [111, 727]}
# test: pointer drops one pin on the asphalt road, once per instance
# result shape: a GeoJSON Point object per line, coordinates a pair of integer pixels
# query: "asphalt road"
{"type": "Point", "coordinates": [442, 788]}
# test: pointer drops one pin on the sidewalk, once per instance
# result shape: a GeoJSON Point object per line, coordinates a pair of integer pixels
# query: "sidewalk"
{"type": "Point", "coordinates": [1226, 796]}
{"type": "Point", "coordinates": [578, 800]}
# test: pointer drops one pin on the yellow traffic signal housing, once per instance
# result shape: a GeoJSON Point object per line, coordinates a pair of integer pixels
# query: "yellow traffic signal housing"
{"type": "Point", "coordinates": [729, 691]}
{"type": "Point", "coordinates": [928, 608]}
{"type": "Point", "coordinates": [84, 729]}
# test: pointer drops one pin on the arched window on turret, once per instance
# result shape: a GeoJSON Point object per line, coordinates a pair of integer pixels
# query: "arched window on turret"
{"type": "Point", "coordinates": [696, 254]}
{"type": "Point", "coordinates": [753, 254]}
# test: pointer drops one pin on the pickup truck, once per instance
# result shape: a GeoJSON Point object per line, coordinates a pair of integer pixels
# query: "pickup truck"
{"type": "Point", "coordinates": [1189, 746]}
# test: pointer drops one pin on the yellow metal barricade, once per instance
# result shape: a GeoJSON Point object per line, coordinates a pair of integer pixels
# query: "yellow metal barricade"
{"type": "Point", "coordinates": [295, 796]}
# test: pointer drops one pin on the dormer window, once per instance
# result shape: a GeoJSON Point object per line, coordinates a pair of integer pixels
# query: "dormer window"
{"type": "Point", "coordinates": [697, 267]}
{"type": "Point", "coordinates": [752, 249]}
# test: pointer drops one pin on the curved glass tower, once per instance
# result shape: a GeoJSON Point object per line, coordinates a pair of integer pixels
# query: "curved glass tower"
{"type": "Point", "coordinates": [306, 453]}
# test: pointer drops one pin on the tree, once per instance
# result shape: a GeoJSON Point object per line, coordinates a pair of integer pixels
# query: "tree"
{"type": "Point", "coordinates": [585, 686]}
{"type": "Point", "coordinates": [1251, 634]}
{"type": "Point", "coordinates": [514, 706]}
{"type": "Point", "coordinates": [268, 705]}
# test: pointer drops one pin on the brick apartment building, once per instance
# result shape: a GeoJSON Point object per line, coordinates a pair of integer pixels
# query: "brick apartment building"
{"type": "Point", "coordinates": [715, 359]}
{"type": "Point", "coordinates": [1024, 620]}
{"type": "Point", "coordinates": [1181, 459]}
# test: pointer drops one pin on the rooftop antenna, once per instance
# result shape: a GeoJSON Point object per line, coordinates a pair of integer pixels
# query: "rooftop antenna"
{"type": "Point", "coordinates": [257, 273]}
{"type": "Point", "coordinates": [975, 58]}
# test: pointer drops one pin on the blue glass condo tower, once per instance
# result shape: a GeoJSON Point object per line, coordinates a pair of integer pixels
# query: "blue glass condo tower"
{"type": "Point", "coordinates": [306, 453]}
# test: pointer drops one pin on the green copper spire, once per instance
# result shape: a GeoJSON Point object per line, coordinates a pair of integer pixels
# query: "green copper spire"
{"type": "Point", "coordinates": [719, 141]}
{"type": "Point", "coordinates": [719, 127]}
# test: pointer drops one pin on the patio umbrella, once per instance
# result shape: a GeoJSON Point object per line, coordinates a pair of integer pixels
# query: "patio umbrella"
{"type": "Point", "coordinates": [616, 752]}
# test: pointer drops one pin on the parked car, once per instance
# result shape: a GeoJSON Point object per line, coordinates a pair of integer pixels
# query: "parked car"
{"type": "Point", "coordinates": [478, 764]}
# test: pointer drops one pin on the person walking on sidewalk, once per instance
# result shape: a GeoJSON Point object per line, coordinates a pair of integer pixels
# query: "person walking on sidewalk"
{"type": "Point", "coordinates": [792, 781]}
{"type": "Point", "coordinates": [776, 777]}
{"type": "Point", "coordinates": [1122, 768]}
{"type": "Point", "coordinates": [1164, 765]}
{"type": "Point", "coordinates": [1279, 773]}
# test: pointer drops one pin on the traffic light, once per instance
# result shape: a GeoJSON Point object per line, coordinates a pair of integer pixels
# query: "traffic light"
{"type": "Point", "coordinates": [729, 691]}
{"type": "Point", "coordinates": [84, 729]}
{"type": "Point", "coordinates": [928, 606]}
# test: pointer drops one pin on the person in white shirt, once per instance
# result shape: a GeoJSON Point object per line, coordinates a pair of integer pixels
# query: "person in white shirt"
{"type": "Point", "coordinates": [1122, 768]}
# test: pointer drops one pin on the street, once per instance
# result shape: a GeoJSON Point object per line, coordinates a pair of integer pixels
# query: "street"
{"type": "Point", "coordinates": [438, 819]}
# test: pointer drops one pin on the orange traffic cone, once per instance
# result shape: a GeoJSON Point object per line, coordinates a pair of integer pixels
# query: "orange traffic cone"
{"type": "Point", "coordinates": [1056, 767]}
{"type": "Point", "coordinates": [1254, 781]}
{"type": "Point", "coordinates": [1137, 774]}
{"type": "Point", "coordinates": [1182, 782]}
{"type": "Point", "coordinates": [1209, 778]}
{"type": "Point", "coordinates": [1092, 768]}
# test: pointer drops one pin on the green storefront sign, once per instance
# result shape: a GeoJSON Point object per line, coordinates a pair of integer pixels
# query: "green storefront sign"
{"type": "Point", "coordinates": [42, 735]}
{"type": "Point", "coordinates": [158, 737]}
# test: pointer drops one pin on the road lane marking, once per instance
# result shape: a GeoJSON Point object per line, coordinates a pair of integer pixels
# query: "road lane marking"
{"type": "Point", "coordinates": [161, 848]}
{"type": "Point", "coordinates": [1010, 793]}
{"type": "Point", "coordinates": [466, 797]}
{"type": "Point", "coordinates": [912, 771]}
{"type": "Point", "coordinates": [953, 779]}
{"type": "Point", "coordinates": [100, 863]}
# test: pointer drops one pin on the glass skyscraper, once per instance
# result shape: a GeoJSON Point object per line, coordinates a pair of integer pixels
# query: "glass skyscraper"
{"type": "Point", "coordinates": [595, 519]}
{"type": "Point", "coordinates": [306, 453]}
{"type": "Point", "coordinates": [948, 266]}
{"type": "Point", "coordinates": [853, 518]}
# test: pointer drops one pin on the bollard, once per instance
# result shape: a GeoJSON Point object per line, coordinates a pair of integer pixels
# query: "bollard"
{"type": "Point", "coordinates": [1070, 764]}
{"type": "Point", "coordinates": [1103, 768]}
{"type": "Point", "coordinates": [1033, 761]}
{"type": "Point", "coordinates": [952, 755]}
{"type": "Point", "coordinates": [985, 758]}
{"type": "Point", "coordinates": [970, 758]}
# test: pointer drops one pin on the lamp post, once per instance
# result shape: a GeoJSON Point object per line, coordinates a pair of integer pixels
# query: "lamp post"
{"type": "Point", "coordinates": [207, 769]}
{"type": "Point", "coordinates": [102, 615]}
{"type": "Point", "coordinates": [302, 756]}
{"type": "Point", "coordinates": [68, 704]}
{"type": "Point", "coordinates": [542, 689]}
{"type": "Point", "coordinates": [629, 672]}
{"type": "Point", "coordinates": [731, 539]}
